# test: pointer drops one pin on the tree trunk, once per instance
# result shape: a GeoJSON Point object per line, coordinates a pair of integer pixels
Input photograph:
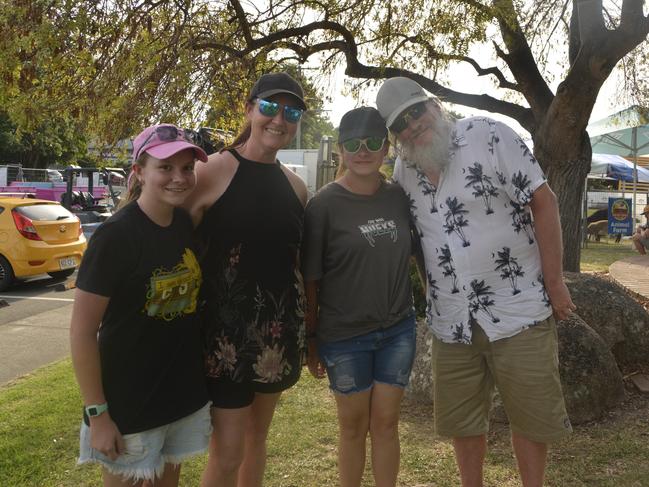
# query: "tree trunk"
{"type": "Point", "coordinates": [562, 146]}
{"type": "Point", "coordinates": [567, 178]}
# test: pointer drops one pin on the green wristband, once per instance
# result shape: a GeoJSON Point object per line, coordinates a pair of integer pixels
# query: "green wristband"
{"type": "Point", "coordinates": [95, 410]}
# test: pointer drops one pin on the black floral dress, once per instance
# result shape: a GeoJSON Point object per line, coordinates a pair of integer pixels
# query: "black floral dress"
{"type": "Point", "coordinates": [254, 319]}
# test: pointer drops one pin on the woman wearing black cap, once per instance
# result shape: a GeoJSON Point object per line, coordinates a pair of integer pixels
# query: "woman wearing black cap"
{"type": "Point", "coordinates": [249, 210]}
{"type": "Point", "coordinates": [360, 317]}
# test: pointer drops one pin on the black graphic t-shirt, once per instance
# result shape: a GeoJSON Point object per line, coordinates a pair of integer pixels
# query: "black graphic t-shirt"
{"type": "Point", "coordinates": [358, 248]}
{"type": "Point", "coordinates": [254, 320]}
{"type": "Point", "coordinates": [149, 339]}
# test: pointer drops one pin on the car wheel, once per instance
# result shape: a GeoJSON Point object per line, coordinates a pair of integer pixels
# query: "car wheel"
{"type": "Point", "coordinates": [61, 274]}
{"type": "Point", "coordinates": [6, 274]}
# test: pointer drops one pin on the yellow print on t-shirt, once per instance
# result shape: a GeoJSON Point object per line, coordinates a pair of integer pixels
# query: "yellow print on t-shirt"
{"type": "Point", "coordinates": [174, 293]}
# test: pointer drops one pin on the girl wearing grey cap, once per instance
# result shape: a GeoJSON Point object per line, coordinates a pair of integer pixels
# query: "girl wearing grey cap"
{"type": "Point", "coordinates": [360, 317]}
{"type": "Point", "coordinates": [249, 210]}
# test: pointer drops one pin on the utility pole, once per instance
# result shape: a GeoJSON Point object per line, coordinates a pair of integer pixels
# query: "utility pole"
{"type": "Point", "coordinates": [298, 134]}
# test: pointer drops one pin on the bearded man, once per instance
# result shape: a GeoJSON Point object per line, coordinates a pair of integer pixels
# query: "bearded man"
{"type": "Point", "coordinates": [491, 239]}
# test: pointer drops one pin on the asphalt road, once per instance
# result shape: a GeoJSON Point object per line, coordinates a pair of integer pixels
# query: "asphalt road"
{"type": "Point", "coordinates": [34, 324]}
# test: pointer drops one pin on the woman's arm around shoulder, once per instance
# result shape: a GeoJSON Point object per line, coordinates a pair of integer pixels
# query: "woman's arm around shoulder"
{"type": "Point", "coordinates": [212, 180]}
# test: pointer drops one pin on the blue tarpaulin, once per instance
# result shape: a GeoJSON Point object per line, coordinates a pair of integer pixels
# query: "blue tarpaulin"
{"type": "Point", "coordinates": [616, 167]}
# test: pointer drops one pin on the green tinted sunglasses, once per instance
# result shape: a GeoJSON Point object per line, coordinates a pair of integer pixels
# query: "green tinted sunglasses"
{"type": "Point", "coordinates": [372, 144]}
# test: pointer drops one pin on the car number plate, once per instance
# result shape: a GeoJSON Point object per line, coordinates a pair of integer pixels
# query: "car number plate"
{"type": "Point", "coordinates": [67, 263]}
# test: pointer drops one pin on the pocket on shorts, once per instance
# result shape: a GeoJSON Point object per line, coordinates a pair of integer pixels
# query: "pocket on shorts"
{"type": "Point", "coordinates": [199, 423]}
{"type": "Point", "coordinates": [134, 451]}
{"type": "Point", "coordinates": [134, 448]}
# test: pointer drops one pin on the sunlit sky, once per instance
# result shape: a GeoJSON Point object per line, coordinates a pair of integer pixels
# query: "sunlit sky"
{"type": "Point", "coordinates": [462, 78]}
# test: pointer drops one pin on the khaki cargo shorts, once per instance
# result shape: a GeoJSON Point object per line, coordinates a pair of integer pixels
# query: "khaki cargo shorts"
{"type": "Point", "coordinates": [524, 368]}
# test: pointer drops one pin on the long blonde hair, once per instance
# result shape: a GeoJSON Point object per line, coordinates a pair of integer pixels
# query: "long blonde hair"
{"type": "Point", "coordinates": [133, 183]}
{"type": "Point", "coordinates": [240, 139]}
{"type": "Point", "coordinates": [244, 134]}
{"type": "Point", "coordinates": [342, 169]}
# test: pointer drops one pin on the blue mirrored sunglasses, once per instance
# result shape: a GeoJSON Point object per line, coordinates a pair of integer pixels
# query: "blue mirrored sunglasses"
{"type": "Point", "coordinates": [271, 108]}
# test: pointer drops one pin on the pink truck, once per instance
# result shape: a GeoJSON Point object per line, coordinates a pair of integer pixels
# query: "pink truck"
{"type": "Point", "coordinates": [46, 184]}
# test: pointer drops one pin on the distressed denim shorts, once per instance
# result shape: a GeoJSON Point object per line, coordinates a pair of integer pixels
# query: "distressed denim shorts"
{"type": "Point", "coordinates": [384, 356]}
{"type": "Point", "coordinates": [147, 452]}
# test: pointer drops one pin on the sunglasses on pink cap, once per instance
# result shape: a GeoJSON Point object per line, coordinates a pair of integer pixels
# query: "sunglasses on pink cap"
{"type": "Point", "coordinates": [164, 133]}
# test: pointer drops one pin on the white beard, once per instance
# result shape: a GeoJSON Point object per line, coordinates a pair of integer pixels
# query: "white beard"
{"type": "Point", "coordinates": [433, 156]}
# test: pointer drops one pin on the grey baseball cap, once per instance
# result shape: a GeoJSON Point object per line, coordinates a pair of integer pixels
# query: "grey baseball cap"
{"type": "Point", "coordinates": [396, 95]}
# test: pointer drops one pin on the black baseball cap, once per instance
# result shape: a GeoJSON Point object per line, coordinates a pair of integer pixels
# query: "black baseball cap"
{"type": "Point", "coordinates": [275, 83]}
{"type": "Point", "coordinates": [361, 122]}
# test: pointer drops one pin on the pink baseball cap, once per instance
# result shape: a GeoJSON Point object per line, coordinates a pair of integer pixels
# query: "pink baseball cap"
{"type": "Point", "coordinates": [163, 141]}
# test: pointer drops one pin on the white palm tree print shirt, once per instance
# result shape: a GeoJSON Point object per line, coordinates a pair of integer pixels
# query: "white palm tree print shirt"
{"type": "Point", "coordinates": [482, 259]}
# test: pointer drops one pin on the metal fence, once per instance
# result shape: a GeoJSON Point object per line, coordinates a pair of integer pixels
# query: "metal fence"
{"type": "Point", "coordinates": [17, 173]}
{"type": "Point", "coordinates": [327, 164]}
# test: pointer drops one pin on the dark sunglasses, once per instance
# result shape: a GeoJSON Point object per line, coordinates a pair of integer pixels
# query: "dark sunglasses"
{"type": "Point", "coordinates": [372, 144]}
{"type": "Point", "coordinates": [164, 133]}
{"type": "Point", "coordinates": [271, 108]}
{"type": "Point", "coordinates": [413, 113]}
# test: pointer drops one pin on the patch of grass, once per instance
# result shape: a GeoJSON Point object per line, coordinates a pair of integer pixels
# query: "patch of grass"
{"type": "Point", "coordinates": [39, 430]}
{"type": "Point", "coordinates": [598, 256]}
{"type": "Point", "coordinates": [40, 417]}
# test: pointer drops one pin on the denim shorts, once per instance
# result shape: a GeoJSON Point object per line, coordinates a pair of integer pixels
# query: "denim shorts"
{"type": "Point", "coordinates": [384, 356]}
{"type": "Point", "coordinates": [147, 452]}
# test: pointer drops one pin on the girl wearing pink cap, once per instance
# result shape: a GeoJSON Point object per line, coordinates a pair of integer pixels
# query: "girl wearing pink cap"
{"type": "Point", "coordinates": [249, 208]}
{"type": "Point", "coordinates": [135, 335]}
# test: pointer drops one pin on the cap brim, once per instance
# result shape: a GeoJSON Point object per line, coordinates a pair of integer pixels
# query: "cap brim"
{"type": "Point", "coordinates": [164, 151]}
{"type": "Point", "coordinates": [267, 93]}
{"type": "Point", "coordinates": [406, 104]}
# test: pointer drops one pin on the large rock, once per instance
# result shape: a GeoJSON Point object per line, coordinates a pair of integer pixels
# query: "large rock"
{"type": "Point", "coordinates": [590, 378]}
{"type": "Point", "coordinates": [608, 309]}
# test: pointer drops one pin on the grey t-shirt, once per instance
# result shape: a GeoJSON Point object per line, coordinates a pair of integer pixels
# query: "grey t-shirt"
{"type": "Point", "coordinates": [358, 248]}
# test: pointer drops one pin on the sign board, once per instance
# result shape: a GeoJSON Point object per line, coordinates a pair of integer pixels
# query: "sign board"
{"type": "Point", "coordinates": [619, 216]}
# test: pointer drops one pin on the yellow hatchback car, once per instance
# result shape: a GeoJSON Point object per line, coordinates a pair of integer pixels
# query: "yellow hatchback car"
{"type": "Point", "coordinates": [37, 237]}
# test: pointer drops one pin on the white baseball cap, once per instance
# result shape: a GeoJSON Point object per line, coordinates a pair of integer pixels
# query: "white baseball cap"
{"type": "Point", "coordinates": [396, 95]}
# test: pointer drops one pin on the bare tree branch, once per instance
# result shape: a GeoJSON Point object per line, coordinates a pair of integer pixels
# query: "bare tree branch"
{"type": "Point", "coordinates": [520, 60]}
{"type": "Point", "coordinates": [560, 20]}
{"type": "Point", "coordinates": [346, 45]}
{"type": "Point", "coordinates": [591, 19]}
{"type": "Point", "coordinates": [434, 54]}
{"type": "Point", "coordinates": [633, 22]}
{"type": "Point", "coordinates": [574, 40]}
{"type": "Point", "coordinates": [243, 21]}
